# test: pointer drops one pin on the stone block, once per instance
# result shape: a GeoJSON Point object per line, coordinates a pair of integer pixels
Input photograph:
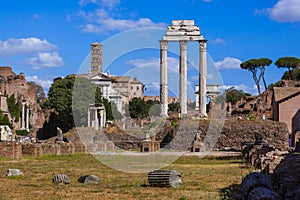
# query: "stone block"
{"type": "Point", "coordinates": [61, 178]}
{"type": "Point", "coordinates": [89, 179]}
{"type": "Point", "coordinates": [14, 172]}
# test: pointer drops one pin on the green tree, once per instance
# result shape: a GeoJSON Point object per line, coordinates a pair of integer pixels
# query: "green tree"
{"type": "Point", "coordinates": [153, 108]}
{"type": "Point", "coordinates": [60, 99]}
{"type": "Point", "coordinates": [70, 99]}
{"type": "Point", "coordinates": [174, 106]}
{"type": "Point", "coordinates": [138, 108]}
{"type": "Point", "coordinates": [4, 120]}
{"type": "Point", "coordinates": [14, 107]}
{"type": "Point", "coordinates": [233, 95]}
{"type": "Point", "coordinates": [277, 84]}
{"type": "Point", "coordinates": [257, 68]}
{"type": "Point", "coordinates": [262, 63]}
{"type": "Point", "coordinates": [293, 75]}
{"type": "Point", "coordinates": [288, 62]}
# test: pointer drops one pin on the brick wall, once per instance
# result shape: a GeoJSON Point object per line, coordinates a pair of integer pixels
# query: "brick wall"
{"type": "Point", "coordinates": [32, 150]}
{"type": "Point", "coordinates": [11, 150]}
{"type": "Point", "coordinates": [287, 110]}
{"type": "Point", "coordinates": [6, 71]}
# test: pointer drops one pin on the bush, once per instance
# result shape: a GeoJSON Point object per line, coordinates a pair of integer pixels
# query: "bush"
{"type": "Point", "coordinates": [22, 132]}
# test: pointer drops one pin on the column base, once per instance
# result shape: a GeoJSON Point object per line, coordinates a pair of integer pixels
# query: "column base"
{"type": "Point", "coordinates": [203, 115]}
{"type": "Point", "coordinates": [183, 116]}
{"type": "Point", "coordinates": [163, 115]}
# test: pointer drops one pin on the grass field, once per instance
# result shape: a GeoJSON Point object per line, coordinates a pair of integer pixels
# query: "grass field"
{"type": "Point", "coordinates": [202, 179]}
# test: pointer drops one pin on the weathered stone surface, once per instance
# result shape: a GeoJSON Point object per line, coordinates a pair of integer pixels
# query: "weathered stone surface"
{"type": "Point", "coordinates": [286, 177]}
{"type": "Point", "coordinates": [89, 179]}
{"type": "Point", "coordinates": [260, 193]}
{"type": "Point", "coordinates": [227, 137]}
{"type": "Point", "coordinates": [254, 180]}
{"type": "Point", "coordinates": [236, 132]}
{"type": "Point", "coordinates": [14, 172]}
{"type": "Point", "coordinates": [12, 150]}
{"type": "Point", "coordinates": [61, 178]}
{"type": "Point", "coordinates": [164, 178]}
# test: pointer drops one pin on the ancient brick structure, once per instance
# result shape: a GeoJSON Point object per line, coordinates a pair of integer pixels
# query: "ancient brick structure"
{"type": "Point", "coordinates": [13, 84]}
{"type": "Point", "coordinates": [286, 108]}
{"type": "Point", "coordinates": [11, 150]}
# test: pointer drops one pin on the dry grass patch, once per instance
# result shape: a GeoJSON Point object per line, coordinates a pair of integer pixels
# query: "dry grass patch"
{"type": "Point", "coordinates": [202, 179]}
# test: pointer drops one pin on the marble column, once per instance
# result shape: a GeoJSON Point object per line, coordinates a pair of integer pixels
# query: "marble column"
{"type": "Point", "coordinates": [23, 115]}
{"type": "Point", "coordinates": [197, 96]}
{"type": "Point", "coordinates": [27, 119]}
{"type": "Point", "coordinates": [202, 81]}
{"type": "Point", "coordinates": [164, 78]}
{"type": "Point", "coordinates": [183, 79]}
{"type": "Point", "coordinates": [96, 119]}
{"type": "Point", "coordinates": [89, 118]}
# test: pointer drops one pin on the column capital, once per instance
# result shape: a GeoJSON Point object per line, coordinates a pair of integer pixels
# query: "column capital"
{"type": "Point", "coordinates": [202, 44]}
{"type": "Point", "coordinates": [183, 44]}
{"type": "Point", "coordinates": [163, 44]}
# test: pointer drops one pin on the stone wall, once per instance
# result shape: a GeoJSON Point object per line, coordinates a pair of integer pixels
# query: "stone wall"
{"type": "Point", "coordinates": [58, 149]}
{"type": "Point", "coordinates": [32, 150]}
{"type": "Point", "coordinates": [238, 131]}
{"type": "Point", "coordinates": [17, 150]}
{"type": "Point", "coordinates": [11, 150]}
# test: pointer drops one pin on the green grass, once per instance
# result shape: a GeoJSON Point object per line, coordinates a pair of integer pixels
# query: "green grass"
{"type": "Point", "coordinates": [202, 179]}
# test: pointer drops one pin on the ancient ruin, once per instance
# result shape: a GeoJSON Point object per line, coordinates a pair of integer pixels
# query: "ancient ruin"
{"type": "Point", "coordinates": [182, 31]}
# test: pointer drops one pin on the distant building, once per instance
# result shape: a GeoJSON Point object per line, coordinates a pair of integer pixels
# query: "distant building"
{"type": "Point", "coordinates": [170, 99]}
{"type": "Point", "coordinates": [212, 90]}
{"type": "Point", "coordinates": [286, 108]}
{"type": "Point", "coordinates": [117, 89]}
{"type": "Point", "coordinates": [96, 58]}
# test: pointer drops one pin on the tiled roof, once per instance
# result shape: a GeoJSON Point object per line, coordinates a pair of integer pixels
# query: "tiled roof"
{"type": "Point", "coordinates": [121, 78]}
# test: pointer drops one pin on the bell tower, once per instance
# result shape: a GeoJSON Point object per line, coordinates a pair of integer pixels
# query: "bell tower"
{"type": "Point", "coordinates": [96, 58]}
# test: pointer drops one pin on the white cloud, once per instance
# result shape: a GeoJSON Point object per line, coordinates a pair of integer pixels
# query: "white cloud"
{"type": "Point", "coordinates": [247, 89]}
{"type": "Point", "coordinates": [24, 46]}
{"type": "Point", "coordinates": [110, 24]}
{"type": "Point", "coordinates": [45, 83]}
{"type": "Point", "coordinates": [154, 63]}
{"type": "Point", "coordinates": [210, 77]}
{"type": "Point", "coordinates": [45, 59]}
{"type": "Point", "coordinates": [107, 3]}
{"type": "Point", "coordinates": [37, 16]}
{"type": "Point", "coordinates": [103, 20]}
{"type": "Point", "coordinates": [152, 89]}
{"type": "Point", "coordinates": [219, 41]}
{"type": "Point", "coordinates": [283, 11]}
{"type": "Point", "coordinates": [228, 63]}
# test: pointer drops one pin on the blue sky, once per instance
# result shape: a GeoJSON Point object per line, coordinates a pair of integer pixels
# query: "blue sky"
{"type": "Point", "coordinates": [45, 39]}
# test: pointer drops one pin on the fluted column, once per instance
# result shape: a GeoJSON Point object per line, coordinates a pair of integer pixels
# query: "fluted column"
{"type": "Point", "coordinates": [23, 115]}
{"type": "Point", "coordinates": [96, 119]}
{"type": "Point", "coordinates": [183, 80]}
{"type": "Point", "coordinates": [164, 78]}
{"type": "Point", "coordinates": [89, 117]}
{"type": "Point", "coordinates": [27, 119]}
{"type": "Point", "coordinates": [202, 81]}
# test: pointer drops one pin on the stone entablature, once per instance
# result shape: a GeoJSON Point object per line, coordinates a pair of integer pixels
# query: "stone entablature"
{"type": "Point", "coordinates": [183, 30]}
